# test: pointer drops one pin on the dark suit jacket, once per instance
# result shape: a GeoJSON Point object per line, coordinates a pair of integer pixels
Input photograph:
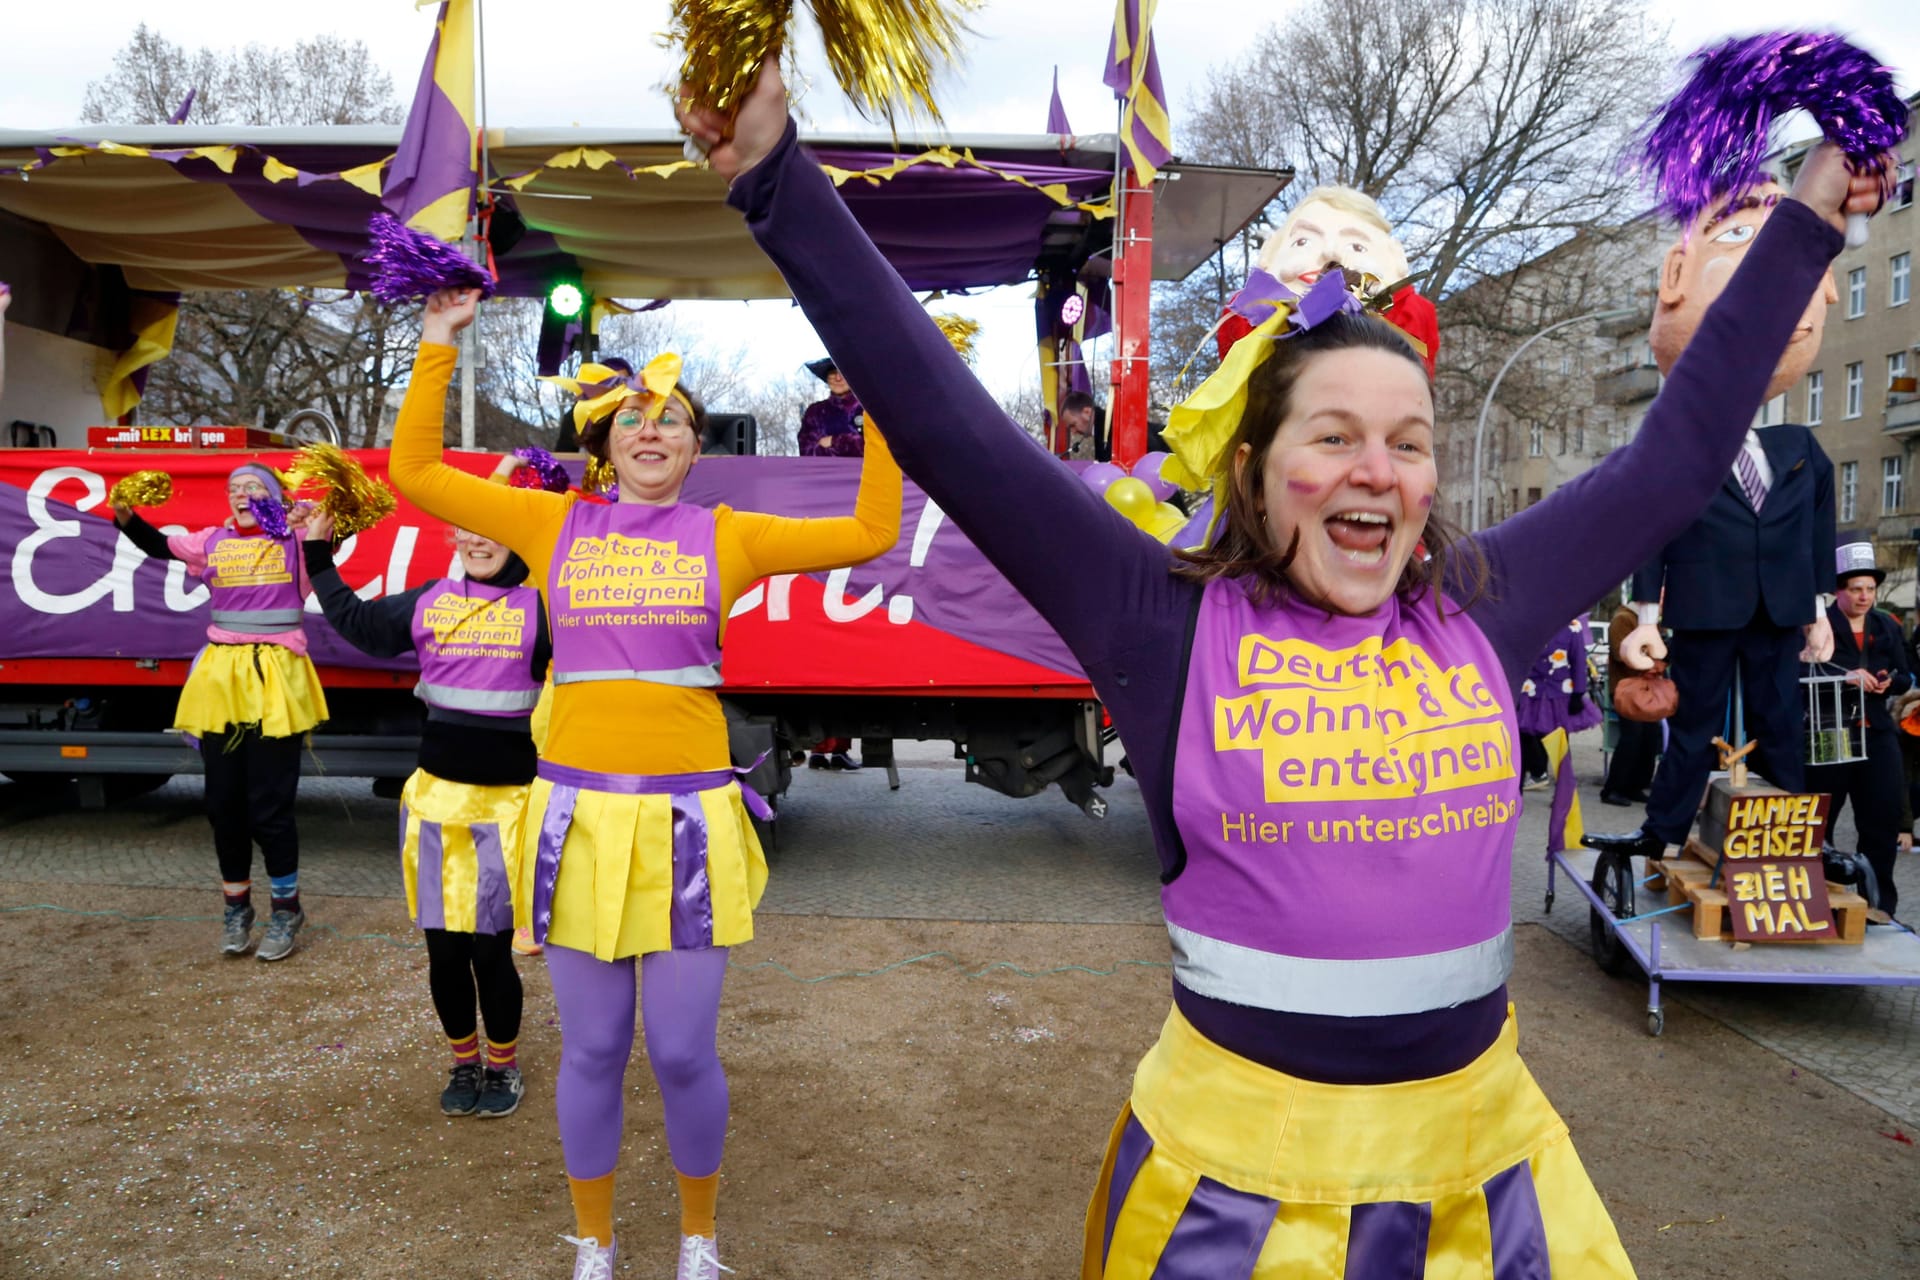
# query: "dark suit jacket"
{"type": "Point", "coordinates": [1886, 651]}
{"type": "Point", "coordinates": [1730, 562]}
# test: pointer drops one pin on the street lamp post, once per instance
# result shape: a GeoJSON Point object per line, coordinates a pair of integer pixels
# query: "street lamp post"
{"type": "Point", "coordinates": [1486, 406]}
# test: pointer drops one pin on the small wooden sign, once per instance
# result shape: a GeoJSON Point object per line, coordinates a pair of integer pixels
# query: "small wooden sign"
{"type": "Point", "coordinates": [1779, 900]}
{"type": "Point", "coordinates": [1771, 867]}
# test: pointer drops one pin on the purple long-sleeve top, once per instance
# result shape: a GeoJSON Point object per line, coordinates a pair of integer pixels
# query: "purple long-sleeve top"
{"type": "Point", "coordinates": [1129, 620]}
{"type": "Point", "coordinates": [838, 421]}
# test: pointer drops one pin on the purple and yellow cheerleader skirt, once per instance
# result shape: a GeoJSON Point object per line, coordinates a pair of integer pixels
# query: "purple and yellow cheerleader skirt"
{"type": "Point", "coordinates": [619, 864]}
{"type": "Point", "coordinates": [455, 839]}
{"type": "Point", "coordinates": [263, 686]}
{"type": "Point", "coordinates": [1224, 1169]}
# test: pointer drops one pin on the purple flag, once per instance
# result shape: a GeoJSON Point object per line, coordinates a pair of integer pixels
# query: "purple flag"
{"type": "Point", "coordinates": [1057, 110]}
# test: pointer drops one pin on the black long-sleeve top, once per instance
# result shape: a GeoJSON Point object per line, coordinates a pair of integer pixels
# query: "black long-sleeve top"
{"type": "Point", "coordinates": [1884, 651]}
{"type": "Point", "coordinates": [482, 751]}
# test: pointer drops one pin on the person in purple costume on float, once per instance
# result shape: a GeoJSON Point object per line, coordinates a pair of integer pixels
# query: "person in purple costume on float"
{"type": "Point", "coordinates": [1554, 696]}
{"type": "Point", "coordinates": [483, 649]}
{"type": "Point", "coordinates": [1322, 727]}
{"type": "Point", "coordinates": [834, 427]}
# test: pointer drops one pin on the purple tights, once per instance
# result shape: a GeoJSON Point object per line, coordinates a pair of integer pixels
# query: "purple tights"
{"type": "Point", "coordinates": [680, 1012]}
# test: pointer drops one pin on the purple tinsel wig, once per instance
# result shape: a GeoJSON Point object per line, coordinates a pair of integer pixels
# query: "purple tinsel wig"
{"type": "Point", "coordinates": [409, 265]}
{"type": "Point", "coordinates": [1711, 140]}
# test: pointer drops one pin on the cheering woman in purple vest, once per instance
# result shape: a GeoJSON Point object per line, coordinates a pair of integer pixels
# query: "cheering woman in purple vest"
{"type": "Point", "coordinates": [250, 698]}
{"type": "Point", "coordinates": [638, 845]}
{"type": "Point", "coordinates": [483, 651]}
{"type": "Point", "coordinates": [1322, 725]}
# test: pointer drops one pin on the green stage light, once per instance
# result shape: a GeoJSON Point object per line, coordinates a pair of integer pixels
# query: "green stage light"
{"type": "Point", "coordinates": [566, 300]}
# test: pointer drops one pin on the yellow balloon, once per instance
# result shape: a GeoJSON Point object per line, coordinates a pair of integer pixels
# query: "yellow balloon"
{"type": "Point", "coordinates": [1166, 521]}
{"type": "Point", "coordinates": [1132, 498]}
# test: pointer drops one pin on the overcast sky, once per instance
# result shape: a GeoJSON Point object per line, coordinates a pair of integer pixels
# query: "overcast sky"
{"type": "Point", "coordinates": [536, 76]}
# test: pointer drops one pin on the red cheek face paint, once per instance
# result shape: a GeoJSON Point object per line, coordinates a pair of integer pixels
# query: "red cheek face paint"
{"type": "Point", "coordinates": [1306, 488]}
{"type": "Point", "coordinates": [1426, 502]}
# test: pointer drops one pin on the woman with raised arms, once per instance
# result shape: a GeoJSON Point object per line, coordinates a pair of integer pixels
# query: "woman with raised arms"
{"type": "Point", "coordinates": [1319, 711]}
{"type": "Point", "coordinates": [637, 840]}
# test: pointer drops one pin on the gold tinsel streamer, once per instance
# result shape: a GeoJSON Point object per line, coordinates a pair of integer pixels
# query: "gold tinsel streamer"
{"type": "Point", "coordinates": [883, 52]}
{"type": "Point", "coordinates": [599, 477]}
{"type": "Point", "coordinates": [354, 499]}
{"type": "Point", "coordinates": [142, 489]}
{"type": "Point", "coordinates": [961, 332]}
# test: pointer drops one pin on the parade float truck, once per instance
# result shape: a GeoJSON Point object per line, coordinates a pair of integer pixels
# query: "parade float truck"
{"type": "Point", "coordinates": [927, 642]}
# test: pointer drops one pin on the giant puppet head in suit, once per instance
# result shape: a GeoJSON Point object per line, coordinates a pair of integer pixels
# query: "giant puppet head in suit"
{"type": "Point", "coordinates": [1697, 269]}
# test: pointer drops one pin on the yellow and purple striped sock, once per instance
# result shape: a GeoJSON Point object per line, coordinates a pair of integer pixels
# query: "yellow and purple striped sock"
{"type": "Point", "coordinates": [501, 1056]}
{"type": "Point", "coordinates": [466, 1050]}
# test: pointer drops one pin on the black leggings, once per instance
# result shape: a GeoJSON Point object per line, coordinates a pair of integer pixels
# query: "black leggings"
{"type": "Point", "coordinates": [252, 782]}
{"type": "Point", "coordinates": [457, 964]}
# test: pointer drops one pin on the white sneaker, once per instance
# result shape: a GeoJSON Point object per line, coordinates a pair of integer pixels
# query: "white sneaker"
{"type": "Point", "coordinates": [592, 1262]}
{"type": "Point", "coordinates": [700, 1259]}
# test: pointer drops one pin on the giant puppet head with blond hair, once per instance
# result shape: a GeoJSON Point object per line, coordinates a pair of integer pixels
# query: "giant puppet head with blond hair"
{"type": "Point", "coordinates": [1344, 228]}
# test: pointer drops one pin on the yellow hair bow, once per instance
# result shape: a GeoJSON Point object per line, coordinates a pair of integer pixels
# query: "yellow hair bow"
{"type": "Point", "coordinates": [601, 389]}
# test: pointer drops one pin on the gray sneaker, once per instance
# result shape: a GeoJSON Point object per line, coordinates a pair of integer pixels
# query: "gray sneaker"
{"type": "Point", "coordinates": [278, 942]}
{"type": "Point", "coordinates": [462, 1093]}
{"type": "Point", "coordinates": [499, 1093]}
{"type": "Point", "coordinates": [237, 940]}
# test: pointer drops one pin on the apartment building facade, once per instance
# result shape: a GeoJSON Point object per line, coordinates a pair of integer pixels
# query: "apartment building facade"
{"type": "Point", "coordinates": [1576, 395]}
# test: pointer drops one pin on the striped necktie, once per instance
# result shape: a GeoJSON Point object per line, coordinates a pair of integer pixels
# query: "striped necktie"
{"type": "Point", "coordinates": [1748, 473]}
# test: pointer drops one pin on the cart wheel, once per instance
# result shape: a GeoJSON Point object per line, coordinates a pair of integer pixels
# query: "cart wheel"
{"type": "Point", "coordinates": [1613, 882]}
{"type": "Point", "coordinates": [1656, 1021]}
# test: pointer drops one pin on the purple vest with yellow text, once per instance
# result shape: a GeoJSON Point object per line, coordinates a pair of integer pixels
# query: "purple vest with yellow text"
{"type": "Point", "coordinates": [476, 647]}
{"type": "Point", "coordinates": [634, 594]}
{"type": "Point", "coordinates": [1347, 794]}
{"type": "Point", "coordinates": [254, 583]}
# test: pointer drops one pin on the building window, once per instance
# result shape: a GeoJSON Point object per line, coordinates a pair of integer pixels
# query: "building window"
{"type": "Point", "coordinates": [1891, 490]}
{"type": "Point", "coordinates": [1849, 491]}
{"type": "Point", "coordinates": [1563, 440]}
{"type": "Point", "coordinates": [1536, 441]}
{"type": "Point", "coordinates": [1856, 384]}
{"type": "Point", "coordinates": [1896, 367]}
{"type": "Point", "coordinates": [1580, 441]}
{"type": "Point", "coordinates": [1816, 397]}
{"type": "Point", "coordinates": [1773, 412]}
{"type": "Point", "coordinates": [1533, 496]}
{"type": "Point", "coordinates": [1856, 293]}
{"type": "Point", "coordinates": [1903, 186]}
{"type": "Point", "coordinates": [1901, 288]}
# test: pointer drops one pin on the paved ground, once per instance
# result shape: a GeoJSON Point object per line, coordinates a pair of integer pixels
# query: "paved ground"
{"type": "Point", "coordinates": [940, 849]}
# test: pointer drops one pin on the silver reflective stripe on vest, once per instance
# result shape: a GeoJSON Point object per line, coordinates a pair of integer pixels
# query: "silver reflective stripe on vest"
{"type": "Point", "coordinates": [701, 677]}
{"type": "Point", "coordinates": [257, 621]}
{"type": "Point", "coordinates": [507, 701]}
{"type": "Point", "coordinates": [1340, 988]}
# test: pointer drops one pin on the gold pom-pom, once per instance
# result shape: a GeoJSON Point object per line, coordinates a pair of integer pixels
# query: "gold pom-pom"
{"type": "Point", "coordinates": [599, 477]}
{"type": "Point", "coordinates": [354, 499]}
{"type": "Point", "coordinates": [883, 53]}
{"type": "Point", "coordinates": [723, 43]}
{"type": "Point", "coordinates": [961, 332]}
{"type": "Point", "coordinates": [142, 489]}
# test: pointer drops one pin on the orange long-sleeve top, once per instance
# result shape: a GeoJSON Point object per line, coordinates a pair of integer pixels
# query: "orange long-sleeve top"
{"type": "Point", "coordinates": [631, 726]}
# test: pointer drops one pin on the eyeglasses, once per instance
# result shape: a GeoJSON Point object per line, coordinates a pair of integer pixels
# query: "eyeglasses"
{"type": "Point", "coordinates": [247, 489]}
{"type": "Point", "coordinates": [669, 422]}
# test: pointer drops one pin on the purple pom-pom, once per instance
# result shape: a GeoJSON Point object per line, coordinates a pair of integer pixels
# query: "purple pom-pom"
{"type": "Point", "coordinates": [548, 472]}
{"type": "Point", "coordinates": [270, 515]}
{"type": "Point", "coordinates": [1711, 140]}
{"type": "Point", "coordinates": [409, 265]}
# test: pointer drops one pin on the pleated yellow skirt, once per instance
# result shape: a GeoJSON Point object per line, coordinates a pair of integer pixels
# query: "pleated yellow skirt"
{"type": "Point", "coordinates": [455, 839]}
{"type": "Point", "coordinates": [1222, 1168]}
{"type": "Point", "coordinates": [236, 686]}
{"type": "Point", "coordinates": [642, 873]}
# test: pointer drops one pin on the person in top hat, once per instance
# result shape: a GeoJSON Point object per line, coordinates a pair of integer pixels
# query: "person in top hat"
{"type": "Point", "coordinates": [834, 427]}
{"type": "Point", "coordinates": [1868, 644]}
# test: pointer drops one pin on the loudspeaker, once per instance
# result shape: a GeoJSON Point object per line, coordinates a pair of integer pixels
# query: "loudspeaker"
{"type": "Point", "coordinates": [731, 433]}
